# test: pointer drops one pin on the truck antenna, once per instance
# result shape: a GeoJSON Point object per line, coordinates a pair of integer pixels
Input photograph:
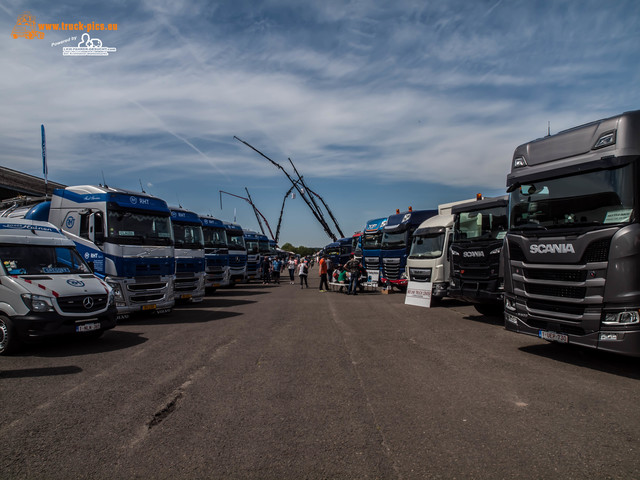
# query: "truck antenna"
{"type": "Point", "coordinates": [104, 182]}
{"type": "Point", "coordinates": [548, 128]}
{"type": "Point", "coordinates": [141, 187]}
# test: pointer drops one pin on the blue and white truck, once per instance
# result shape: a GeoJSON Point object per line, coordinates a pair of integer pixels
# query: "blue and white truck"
{"type": "Point", "coordinates": [396, 245]}
{"type": "Point", "coordinates": [237, 253]}
{"type": "Point", "coordinates": [189, 253]}
{"type": "Point", "coordinates": [46, 288]}
{"type": "Point", "coordinates": [124, 236]}
{"type": "Point", "coordinates": [371, 243]}
{"type": "Point", "coordinates": [216, 252]}
{"type": "Point", "coordinates": [252, 244]}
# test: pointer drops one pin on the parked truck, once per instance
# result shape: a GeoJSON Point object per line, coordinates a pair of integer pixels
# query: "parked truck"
{"type": "Point", "coordinates": [216, 253]}
{"type": "Point", "coordinates": [371, 243]}
{"type": "Point", "coordinates": [476, 269]}
{"type": "Point", "coordinates": [46, 288]}
{"type": "Point", "coordinates": [396, 244]}
{"type": "Point", "coordinates": [429, 258]}
{"type": "Point", "coordinates": [237, 253]}
{"type": "Point", "coordinates": [572, 251]}
{"type": "Point", "coordinates": [189, 284]}
{"type": "Point", "coordinates": [252, 244]}
{"type": "Point", "coordinates": [124, 236]}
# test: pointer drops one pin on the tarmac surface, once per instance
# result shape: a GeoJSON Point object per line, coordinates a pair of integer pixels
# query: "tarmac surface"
{"type": "Point", "coordinates": [278, 382]}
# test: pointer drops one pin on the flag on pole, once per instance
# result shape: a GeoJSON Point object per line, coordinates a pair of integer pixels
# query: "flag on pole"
{"type": "Point", "coordinates": [45, 169]}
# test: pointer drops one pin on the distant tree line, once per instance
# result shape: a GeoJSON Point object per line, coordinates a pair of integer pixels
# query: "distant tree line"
{"type": "Point", "coordinates": [301, 250]}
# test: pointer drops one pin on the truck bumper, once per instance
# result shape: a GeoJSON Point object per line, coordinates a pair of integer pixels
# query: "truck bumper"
{"type": "Point", "coordinates": [42, 325]}
{"type": "Point", "coordinates": [476, 292]}
{"type": "Point", "coordinates": [615, 340]}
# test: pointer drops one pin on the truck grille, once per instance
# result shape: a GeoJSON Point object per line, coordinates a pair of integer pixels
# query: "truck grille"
{"type": "Point", "coordinates": [391, 268]}
{"type": "Point", "coordinates": [79, 303]}
{"type": "Point", "coordinates": [371, 263]}
{"type": "Point", "coordinates": [556, 275]}
{"type": "Point", "coordinates": [556, 290]}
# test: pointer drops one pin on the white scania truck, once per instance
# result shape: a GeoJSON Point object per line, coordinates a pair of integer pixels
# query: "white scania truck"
{"type": "Point", "coordinates": [46, 288]}
{"type": "Point", "coordinates": [189, 252]}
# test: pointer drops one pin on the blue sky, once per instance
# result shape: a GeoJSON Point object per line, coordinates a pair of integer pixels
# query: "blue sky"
{"type": "Point", "coordinates": [381, 105]}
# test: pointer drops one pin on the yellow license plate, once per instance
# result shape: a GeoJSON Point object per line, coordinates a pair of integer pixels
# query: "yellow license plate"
{"type": "Point", "coordinates": [149, 307]}
{"type": "Point", "coordinates": [185, 296]}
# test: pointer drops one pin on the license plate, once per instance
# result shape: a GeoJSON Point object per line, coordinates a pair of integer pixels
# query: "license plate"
{"type": "Point", "coordinates": [216, 285]}
{"type": "Point", "coordinates": [553, 336]}
{"type": "Point", "coordinates": [88, 327]}
{"type": "Point", "coordinates": [185, 296]}
{"type": "Point", "coordinates": [149, 307]}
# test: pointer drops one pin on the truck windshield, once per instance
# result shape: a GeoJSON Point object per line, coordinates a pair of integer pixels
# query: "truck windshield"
{"type": "Point", "coordinates": [391, 241]}
{"type": "Point", "coordinates": [235, 241]}
{"type": "Point", "coordinates": [489, 224]}
{"type": "Point", "coordinates": [214, 237]}
{"type": "Point", "coordinates": [431, 246]}
{"type": "Point", "coordinates": [371, 241]}
{"type": "Point", "coordinates": [264, 246]}
{"type": "Point", "coordinates": [253, 247]}
{"type": "Point", "coordinates": [187, 235]}
{"type": "Point", "coordinates": [138, 228]}
{"type": "Point", "coordinates": [39, 260]}
{"type": "Point", "coordinates": [592, 199]}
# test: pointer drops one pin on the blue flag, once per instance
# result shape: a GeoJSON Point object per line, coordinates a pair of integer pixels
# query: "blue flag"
{"type": "Point", "coordinates": [45, 170]}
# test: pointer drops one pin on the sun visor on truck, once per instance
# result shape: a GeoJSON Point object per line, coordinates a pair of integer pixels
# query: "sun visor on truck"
{"type": "Point", "coordinates": [428, 231]}
{"type": "Point", "coordinates": [483, 204]}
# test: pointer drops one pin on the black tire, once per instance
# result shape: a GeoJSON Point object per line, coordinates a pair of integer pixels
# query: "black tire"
{"type": "Point", "coordinates": [490, 309]}
{"type": "Point", "coordinates": [9, 342]}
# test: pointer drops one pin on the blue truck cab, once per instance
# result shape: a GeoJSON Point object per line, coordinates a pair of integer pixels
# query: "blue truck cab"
{"type": "Point", "coordinates": [237, 253]}
{"type": "Point", "coordinates": [371, 242]}
{"type": "Point", "coordinates": [189, 252]}
{"type": "Point", "coordinates": [339, 252]}
{"type": "Point", "coordinates": [216, 253]}
{"type": "Point", "coordinates": [396, 245]}
{"type": "Point", "coordinates": [252, 244]}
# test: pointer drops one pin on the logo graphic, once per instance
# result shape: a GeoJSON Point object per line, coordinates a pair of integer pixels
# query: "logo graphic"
{"type": "Point", "coordinates": [133, 200]}
{"type": "Point", "coordinates": [26, 27]}
{"type": "Point", "coordinates": [88, 303]}
{"type": "Point", "coordinates": [70, 222]}
{"type": "Point", "coordinates": [552, 248]}
{"type": "Point", "coordinates": [473, 254]}
{"type": "Point", "coordinates": [75, 283]}
{"type": "Point", "coordinates": [86, 255]}
{"type": "Point", "coordinates": [88, 47]}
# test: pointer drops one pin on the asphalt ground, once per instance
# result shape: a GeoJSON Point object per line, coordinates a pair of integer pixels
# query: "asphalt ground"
{"type": "Point", "coordinates": [278, 382]}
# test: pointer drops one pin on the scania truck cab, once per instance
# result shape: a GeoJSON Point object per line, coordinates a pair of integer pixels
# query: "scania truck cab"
{"type": "Point", "coordinates": [371, 242]}
{"type": "Point", "coordinates": [189, 252]}
{"type": "Point", "coordinates": [396, 245]}
{"type": "Point", "coordinates": [237, 253]}
{"type": "Point", "coordinates": [476, 269]}
{"type": "Point", "coordinates": [252, 244]}
{"type": "Point", "coordinates": [124, 236]}
{"type": "Point", "coordinates": [572, 250]}
{"type": "Point", "coordinates": [216, 253]}
{"type": "Point", "coordinates": [46, 288]}
{"type": "Point", "coordinates": [339, 252]}
{"type": "Point", "coordinates": [356, 245]}
{"type": "Point", "coordinates": [429, 259]}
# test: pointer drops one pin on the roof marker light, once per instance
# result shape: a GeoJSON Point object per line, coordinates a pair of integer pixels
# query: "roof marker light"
{"type": "Point", "coordinates": [605, 140]}
{"type": "Point", "coordinates": [519, 162]}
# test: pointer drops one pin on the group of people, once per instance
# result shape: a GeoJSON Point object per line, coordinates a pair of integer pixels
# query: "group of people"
{"type": "Point", "coordinates": [349, 272]}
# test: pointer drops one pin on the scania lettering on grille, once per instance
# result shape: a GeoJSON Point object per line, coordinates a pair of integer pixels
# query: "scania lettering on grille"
{"type": "Point", "coordinates": [552, 248]}
{"type": "Point", "coordinates": [475, 254]}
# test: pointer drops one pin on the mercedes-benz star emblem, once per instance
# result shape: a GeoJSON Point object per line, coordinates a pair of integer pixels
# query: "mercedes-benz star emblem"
{"type": "Point", "coordinates": [88, 303]}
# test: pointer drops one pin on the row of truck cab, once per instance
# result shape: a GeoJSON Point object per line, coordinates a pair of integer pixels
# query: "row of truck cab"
{"type": "Point", "coordinates": [90, 255]}
{"type": "Point", "coordinates": [558, 256]}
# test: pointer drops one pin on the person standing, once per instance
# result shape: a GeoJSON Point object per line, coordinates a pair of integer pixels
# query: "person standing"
{"type": "Point", "coordinates": [303, 272]}
{"type": "Point", "coordinates": [266, 270]}
{"type": "Point", "coordinates": [322, 265]}
{"type": "Point", "coordinates": [353, 267]}
{"type": "Point", "coordinates": [292, 270]}
{"type": "Point", "coordinates": [276, 269]}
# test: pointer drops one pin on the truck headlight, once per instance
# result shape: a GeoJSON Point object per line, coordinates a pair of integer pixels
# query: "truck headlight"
{"type": "Point", "coordinates": [622, 318]}
{"type": "Point", "coordinates": [117, 291]}
{"type": "Point", "coordinates": [495, 251]}
{"type": "Point", "coordinates": [37, 303]}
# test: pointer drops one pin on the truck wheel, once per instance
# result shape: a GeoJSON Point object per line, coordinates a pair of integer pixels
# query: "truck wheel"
{"type": "Point", "coordinates": [490, 309]}
{"type": "Point", "coordinates": [9, 342]}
